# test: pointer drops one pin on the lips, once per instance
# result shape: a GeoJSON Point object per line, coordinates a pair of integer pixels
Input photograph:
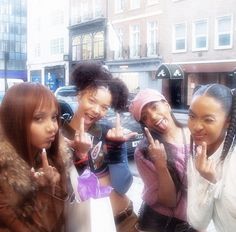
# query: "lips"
{"type": "Point", "coordinates": [198, 137]}
{"type": "Point", "coordinates": [51, 139]}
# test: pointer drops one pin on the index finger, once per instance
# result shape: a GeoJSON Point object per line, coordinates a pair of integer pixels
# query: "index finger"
{"type": "Point", "coordinates": [118, 124]}
{"type": "Point", "coordinates": [149, 136]}
{"type": "Point", "coordinates": [44, 158]}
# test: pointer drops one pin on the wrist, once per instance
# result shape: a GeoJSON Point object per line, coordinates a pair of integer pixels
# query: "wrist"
{"type": "Point", "coordinates": [80, 155]}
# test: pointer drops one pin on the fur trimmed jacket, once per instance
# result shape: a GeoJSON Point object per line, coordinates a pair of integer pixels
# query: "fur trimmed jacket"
{"type": "Point", "coordinates": [24, 206]}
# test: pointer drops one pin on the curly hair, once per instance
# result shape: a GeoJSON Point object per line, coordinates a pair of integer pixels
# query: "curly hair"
{"type": "Point", "coordinates": [92, 75]}
{"type": "Point", "coordinates": [227, 98]}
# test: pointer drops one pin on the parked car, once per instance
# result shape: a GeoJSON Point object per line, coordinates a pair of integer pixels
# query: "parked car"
{"type": "Point", "coordinates": [67, 98]}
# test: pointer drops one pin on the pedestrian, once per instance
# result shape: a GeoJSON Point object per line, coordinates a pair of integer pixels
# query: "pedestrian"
{"type": "Point", "coordinates": [102, 146]}
{"type": "Point", "coordinates": [161, 159]}
{"type": "Point", "coordinates": [32, 174]}
{"type": "Point", "coordinates": [211, 169]}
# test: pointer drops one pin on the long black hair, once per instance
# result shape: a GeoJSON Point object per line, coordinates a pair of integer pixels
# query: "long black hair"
{"type": "Point", "coordinates": [227, 98]}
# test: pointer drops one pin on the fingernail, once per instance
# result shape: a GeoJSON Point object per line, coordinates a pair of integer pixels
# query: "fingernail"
{"type": "Point", "coordinates": [44, 150]}
{"type": "Point", "coordinates": [32, 169]}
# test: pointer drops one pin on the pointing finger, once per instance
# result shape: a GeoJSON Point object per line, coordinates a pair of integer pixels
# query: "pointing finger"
{"type": "Point", "coordinates": [149, 136]}
{"type": "Point", "coordinates": [81, 125]}
{"type": "Point", "coordinates": [44, 158]}
{"type": "Point", "coordinates": [118, 124]}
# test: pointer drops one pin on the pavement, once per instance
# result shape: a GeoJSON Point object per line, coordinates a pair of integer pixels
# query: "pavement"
{"type": "Point", "coordinates": [135, 192]}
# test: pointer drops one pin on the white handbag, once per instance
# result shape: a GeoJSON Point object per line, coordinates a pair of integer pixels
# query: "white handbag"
{"type": "Point", "coordinates": [92, 215]}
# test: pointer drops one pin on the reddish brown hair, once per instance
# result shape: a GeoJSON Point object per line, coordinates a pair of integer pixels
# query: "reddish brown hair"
{"type": "Point", "coordinates": [16, 114]}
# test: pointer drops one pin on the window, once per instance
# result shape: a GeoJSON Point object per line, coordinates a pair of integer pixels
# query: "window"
{"type": "Point", "coordinates": [57, 17]}
{"type": "Point", "coordinates": [85, 15]}
{"type": "Point", "coordinates": [98, 45]}
{"type": "Point", "coordinates": [152, 38]}
{"type": "Point", "coordinates": [200, 35]}
{"type": "Point", "coordinates": [74, 12]}
{"type": "Point", "coordinates": [179, 38]}
{"type": "Point", "coordinates": [135, 41]}
{"type": "Point", "coordinates": [37, 50]}
{"type": "Point", "coordinates": [87, 47]}
{"type": "Point", "coordinates": [119, 6]}
{"type": "Point", "coordinates": [97, 9]}
{"type": "Point", "coordinates": [134, 4]}
{"type": "Point", "coordinates": [224, 32]}
{"type": "Point", "coordinates": [57, 46]}
{"type": "Point", "coordinates": [118, 52]}
{"type": "Point", "coordinates": [76, 48]}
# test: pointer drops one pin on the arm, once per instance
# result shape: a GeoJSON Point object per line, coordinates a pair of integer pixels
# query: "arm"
{"type": "Point", "coordinates": [200, 198]}
{"type": "Point", "coordinates": [120, 174]}
{"type": "Point", "coordinates": [166, 186]}
{"type": "Point", "coordinates": [154, 180]}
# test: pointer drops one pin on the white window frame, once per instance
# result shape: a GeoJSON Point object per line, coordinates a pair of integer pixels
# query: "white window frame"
{"type": "Point", "coordinates": [119, 6]}
{"type": "Point", "coordinates": [217, 33]}
{"type": "Point", "coordinates": [152, 39]}
{"type": "Point", "coordinates": [183, 37]}
{"type": "Point", "coordinates": [119, 51]}
{"type": "Point", "coordinates": [195, 36]}
{"type": "Point", "coordinates": [135, 41]}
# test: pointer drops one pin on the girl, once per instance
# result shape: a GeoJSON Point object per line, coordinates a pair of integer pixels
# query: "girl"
{"type": "Point", "coordinates": [211, 169]}
{"type": "Point", "coordinates": [106, 154]}
{"type": "Point", "coordinates": [161, 159]}
{"type": "Point", "coordinates": [32, 173]}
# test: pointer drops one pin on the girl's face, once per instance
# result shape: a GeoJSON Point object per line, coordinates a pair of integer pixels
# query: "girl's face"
{"type": "Point", "coordinates": [44, 126]}
{"type": "Point", "coordinates": [94, 104]}
{"type": "Point", "coordinates": [156, 116]}
{"type": "Point", "coordinates": [207, 122]}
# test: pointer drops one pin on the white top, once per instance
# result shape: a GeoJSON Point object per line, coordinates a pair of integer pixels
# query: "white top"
{"type": "Point", "coordinates": [208, 201]}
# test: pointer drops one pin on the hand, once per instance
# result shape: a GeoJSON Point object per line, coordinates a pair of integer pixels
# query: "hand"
{"type": "Point", "coordinates": [117, 133]}
{"type": "Point", "coordinates": [82, 141]}
{"type": "Point", "coordinates": [47, 175]}
{"type": "Point", "coordinates": [156, 151]}
{"type": "Point", "coordinates": [206, 167]}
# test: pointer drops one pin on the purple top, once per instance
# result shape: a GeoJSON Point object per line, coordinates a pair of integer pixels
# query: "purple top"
{"type": "Point", "coordinates": [148, 174]}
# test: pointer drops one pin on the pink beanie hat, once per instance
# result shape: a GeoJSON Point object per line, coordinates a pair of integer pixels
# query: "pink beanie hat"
{"type": "Point", "coordinates": [144, 97]}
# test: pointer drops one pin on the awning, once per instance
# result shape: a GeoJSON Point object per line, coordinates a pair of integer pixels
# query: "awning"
{"type": "Point", "coordinates": [169, 71]}
{"type": "Point", "coordinates": [209, 67]}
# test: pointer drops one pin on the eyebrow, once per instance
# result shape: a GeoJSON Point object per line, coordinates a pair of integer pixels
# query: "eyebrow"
{"type": "Point", "coordinates": [207, 115]}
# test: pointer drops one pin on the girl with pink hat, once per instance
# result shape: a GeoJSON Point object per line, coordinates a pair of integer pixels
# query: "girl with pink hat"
{"type": "Point", "coordinates": [161, 159]}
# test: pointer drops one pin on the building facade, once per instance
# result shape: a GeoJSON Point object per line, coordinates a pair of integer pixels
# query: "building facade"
{"type": "Point", "coordinates": [202, 41]}
{"type": "Point", "coordinates": [13, 39]}
{"type": "Point", "coordinates": [133, 44]}
{"type": "Point", "coordinates": [48, 42]}
{"type": "Point", "coordinates": [87, 31]}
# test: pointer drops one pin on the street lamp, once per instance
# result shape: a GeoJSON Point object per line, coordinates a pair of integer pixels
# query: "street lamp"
{"type": "Point", "coordinates": [6, 59]}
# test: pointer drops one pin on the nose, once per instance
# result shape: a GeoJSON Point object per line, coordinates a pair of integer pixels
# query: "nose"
{"type": "Point", "coordinates": [197, 125]}
{"type": "Point", "coordinates": [152, 115]}
{"type": "Point", "coordinates": [97, 109]}
{"type": "Point", "coordinates": [51, 126]}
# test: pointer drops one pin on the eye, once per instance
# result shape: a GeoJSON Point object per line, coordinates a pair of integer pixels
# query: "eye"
{"type": "Point", "coordinates": [38, 118]}
{"type": "Point", "coordinates": [191, 116]}
{"type": "Point", "coordinates": [209, 120]}
{"type": "Point", "coordinates": [54, 117]}
{"type": "Point", "coordinates": [144, 118]}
